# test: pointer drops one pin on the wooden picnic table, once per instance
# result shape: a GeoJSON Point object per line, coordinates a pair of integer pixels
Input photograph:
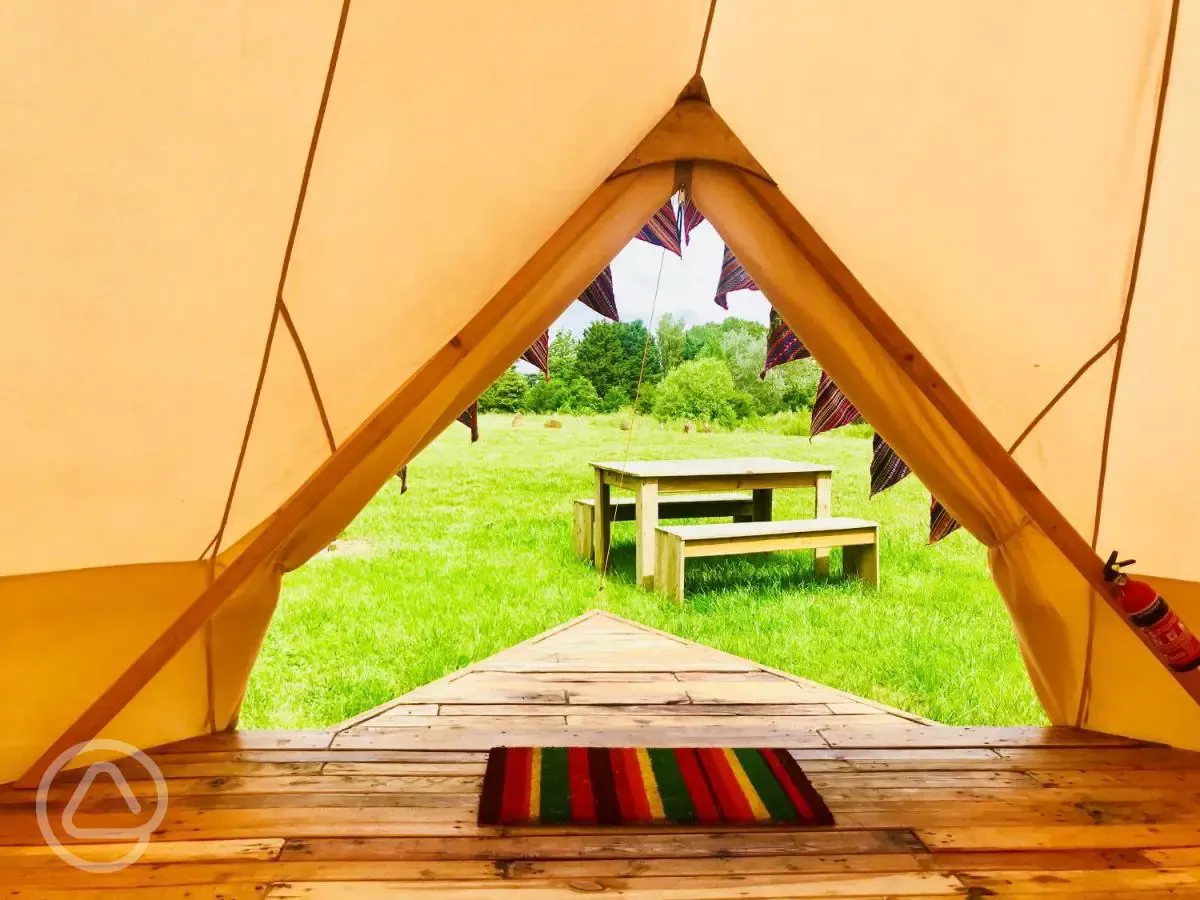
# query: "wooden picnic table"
{"type": "Point", "coordinates": [649, 478]}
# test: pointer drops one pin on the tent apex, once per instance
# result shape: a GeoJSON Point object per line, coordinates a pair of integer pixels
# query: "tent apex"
{"type": "Point", "coordinates": [691, 130]}
{"type": "Point", "coordinates": [695, 89]}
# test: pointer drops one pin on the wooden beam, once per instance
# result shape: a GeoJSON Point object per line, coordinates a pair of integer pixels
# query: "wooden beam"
{"type": "Point", "coordinates": [945, 400]}
{"type": "Point", "coordinates": [480, 335]}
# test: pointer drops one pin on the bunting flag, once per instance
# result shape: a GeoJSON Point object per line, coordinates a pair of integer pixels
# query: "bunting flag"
{"type": "Point", "coordinates": [403, 476]}
{"type": "Point", "coordinates": [782, 345]}
{"type": "Point", "coordinates": [831, 409]}
{"type": "Point", "coordinates": [539, 354]}
{"type": "Point", "coordinates": [470, 418]}
{"type": "Point", "coordinates": [887, 468]}
{"type": "Point", "coordinates": [663, 230]}
{"type": "Point", "coordinates": [689, 217]}
{"type": "Point", "coordinates": [599, 296]}
{"type": "Point", "coordinates": [941, 523]}
{"type": "Point", "coordinates": [733, 278]}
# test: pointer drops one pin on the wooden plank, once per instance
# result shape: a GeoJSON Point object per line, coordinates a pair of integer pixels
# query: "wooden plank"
{"type": "Point", "coordinates": [944, 736]}
{"type": "Point", "coordinates": [479, 739]}
{"type": "Point", "coordinates": [156, 852]}
{"type": "Point", "coordinates": [721, 724]}
{"type": "Point", "coordinates": [692, 468]}
{"type": "Point", "coordinates": [917, 884]}
{"type": "Point", "coordinates": [1067, 837]}
{"type": "Point", "coordinates": [1067, 882]}
{"type": "Point", "coordinates": [623, 843]}
{"type": "Point", "coordinates": [730, 710]}
{"type": "Point", "coordinates": [732, 531]}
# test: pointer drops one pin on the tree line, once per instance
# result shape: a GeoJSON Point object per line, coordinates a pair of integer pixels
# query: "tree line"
{"type": "Point", "coordinates": [705, 373]}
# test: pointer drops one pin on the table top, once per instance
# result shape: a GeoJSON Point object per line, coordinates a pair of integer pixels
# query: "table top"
{"type": "Point", "coordinates": [690, 468]}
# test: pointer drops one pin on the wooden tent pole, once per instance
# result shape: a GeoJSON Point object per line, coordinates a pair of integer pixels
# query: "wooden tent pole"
{"type": "Point", "coordinates": [960, 417]}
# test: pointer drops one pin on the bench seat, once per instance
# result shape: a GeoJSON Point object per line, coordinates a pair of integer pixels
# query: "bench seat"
{"type": "Point", "coordinates": [859, 539]}
{"type": "Point", "coordinates": [670, 506]}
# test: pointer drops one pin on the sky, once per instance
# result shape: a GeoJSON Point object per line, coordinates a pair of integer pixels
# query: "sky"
{"type": "Point", "coordinates": [686, 289]}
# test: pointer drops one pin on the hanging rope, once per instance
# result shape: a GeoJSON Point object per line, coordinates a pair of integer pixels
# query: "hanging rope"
{"type": "Point", "coordinates": [637, 393]}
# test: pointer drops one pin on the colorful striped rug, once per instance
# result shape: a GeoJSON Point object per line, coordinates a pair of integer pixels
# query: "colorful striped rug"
{"type": "Point", "coordinates": [643, 786]}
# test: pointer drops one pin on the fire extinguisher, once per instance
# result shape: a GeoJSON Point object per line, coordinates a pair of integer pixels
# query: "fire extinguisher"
{"type": "Point", "coordinates": [1150, 613]}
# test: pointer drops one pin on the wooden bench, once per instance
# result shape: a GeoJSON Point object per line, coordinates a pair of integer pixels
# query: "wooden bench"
{"type": "Point", "coordinates": [859, 539]}
{"type": "Point", "coordinates": [670, 506]}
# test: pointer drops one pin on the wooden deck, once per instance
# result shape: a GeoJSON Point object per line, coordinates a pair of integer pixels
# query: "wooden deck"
{"type": "Point", "coordinates": [384, 806]}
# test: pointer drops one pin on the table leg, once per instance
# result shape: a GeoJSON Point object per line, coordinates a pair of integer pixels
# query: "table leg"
{"type": "Point", "coordinates": [601, 522]}
{"type": "Point", "coordinates": [824, 509]}
{"type": "Point", "coordinates": [647, 521]}
{"type": "Point", "coordinates": [762, 504]}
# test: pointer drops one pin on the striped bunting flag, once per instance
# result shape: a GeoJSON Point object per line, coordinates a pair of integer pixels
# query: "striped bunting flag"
{"type": "Point", "coordinates": [690, 217]}
{"type": "Point", "coordinates": [782, 345]}
{"type": "Point", "coordinates": [831, 408]}
{"type": "Point", "coordinates": [887, 468]}
{"type": "Point", "coordinates": [647, 786]}
{"type": "Point", "coordinates": [733, 278]}
{"type": "Point", "coordinates": [470, 418]}
{"type": "Point", "coordinates": [941, 523]}
{"type": "Point", "coordinates": [539, 354]}
{"type": "Point", "coordinates": [662, 230]}
{"type": "Point", "coordinates": [599, 296]}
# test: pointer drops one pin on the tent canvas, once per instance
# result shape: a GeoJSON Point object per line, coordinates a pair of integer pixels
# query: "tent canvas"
{"type": "Point", "coordinates": [980, 218]}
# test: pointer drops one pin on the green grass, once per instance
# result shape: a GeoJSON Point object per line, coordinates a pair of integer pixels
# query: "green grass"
{"type": "Point", "coordinates": [477, 556]}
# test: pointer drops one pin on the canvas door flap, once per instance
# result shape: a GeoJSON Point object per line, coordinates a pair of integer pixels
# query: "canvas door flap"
{"type": "Point", "coordinates": [920, 434]}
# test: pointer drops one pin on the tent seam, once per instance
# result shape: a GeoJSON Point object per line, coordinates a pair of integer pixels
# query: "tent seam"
{"type": "Point", "coordinates": [308, 371]}
{"type": "Point", "coordinates": [712, 8]}
{"type": "Point", "coordinates": [279, 308]}
{"type": "Point", "coordinates": [1135, 267]}
{"type": "Point", "coordinates": [1071, 382]}
{"type": "Point", "coordinates": [1085, 688]}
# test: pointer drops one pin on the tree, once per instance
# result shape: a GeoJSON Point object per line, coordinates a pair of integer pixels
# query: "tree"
{"type": "Point", "coordinates": [506, 394]}
{"type": "Point", "coordinates": [599, 357]}
{"type": "Point", "coordinates": [563, 355]}
{"type": "Point", "coordinates": [610, 356]}
{"type": "Point", "coordinates": [701, 390]}
{"type": "Point", "coordinates": [703, 342]}
{"type": "Point", "coordinates": [636, 343]}
{"type": "Point", "coordinates": [671, 341]}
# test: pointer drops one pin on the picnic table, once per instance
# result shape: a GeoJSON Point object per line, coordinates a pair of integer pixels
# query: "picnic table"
{"type": "Point", "coordinates": [647, 479]}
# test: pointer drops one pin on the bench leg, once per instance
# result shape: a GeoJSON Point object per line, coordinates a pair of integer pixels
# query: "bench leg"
{"type": "Point", "coordinates": [863, 562]}
{"type": "Point", "coordinates": [647, 522]}
{"type": "Point", "coordinates": [762, 504]}
{"type": "Point", "coordinates": [668, 573]}
{"type": "Point", "coordinates": [601, 521]}
{"type": "Point", "coordinates": [823, 510]}
{"type": "Point", "coordinates": [583, 533]}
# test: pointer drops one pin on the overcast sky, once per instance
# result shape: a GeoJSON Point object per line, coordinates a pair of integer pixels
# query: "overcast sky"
{"type": "Point", "coordinates": [686, 290]}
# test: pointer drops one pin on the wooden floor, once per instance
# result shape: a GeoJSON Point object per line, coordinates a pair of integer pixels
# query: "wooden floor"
{"type": "Point", "coordinates": [384, 806]}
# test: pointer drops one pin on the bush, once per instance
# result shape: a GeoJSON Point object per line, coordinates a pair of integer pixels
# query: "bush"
{"type": "Point", "coordinates": [615, 399]}
{"type": "Point", "coordinates": [701, 390]}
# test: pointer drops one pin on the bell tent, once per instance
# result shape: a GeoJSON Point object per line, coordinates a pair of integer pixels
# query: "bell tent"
{"type": "Point", "coordinates": [256, 255]}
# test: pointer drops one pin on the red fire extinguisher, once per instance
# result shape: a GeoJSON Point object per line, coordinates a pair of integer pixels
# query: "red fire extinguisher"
{"type": "Point", "coordinates": [1150, 612]}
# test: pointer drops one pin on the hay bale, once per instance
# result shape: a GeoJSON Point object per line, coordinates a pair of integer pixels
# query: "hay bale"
{"type": "Point", "coordinates": [518, 420]}
{"type": "Point", "coordinates": [689, 427]}
{"type": "Point", "coordinates": [706, 427]}
{"type": "Point", "coordinates": [627, 425]}
{"type": "Point", "coordinates": [552, 423]}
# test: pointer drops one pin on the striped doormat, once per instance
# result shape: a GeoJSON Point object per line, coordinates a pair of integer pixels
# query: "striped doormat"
{"type": "Point", "coordinates": [644, 786]}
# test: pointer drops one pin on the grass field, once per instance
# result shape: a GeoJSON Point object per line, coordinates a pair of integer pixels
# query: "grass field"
{"type": "Point", "coordinates": [477, 556]}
